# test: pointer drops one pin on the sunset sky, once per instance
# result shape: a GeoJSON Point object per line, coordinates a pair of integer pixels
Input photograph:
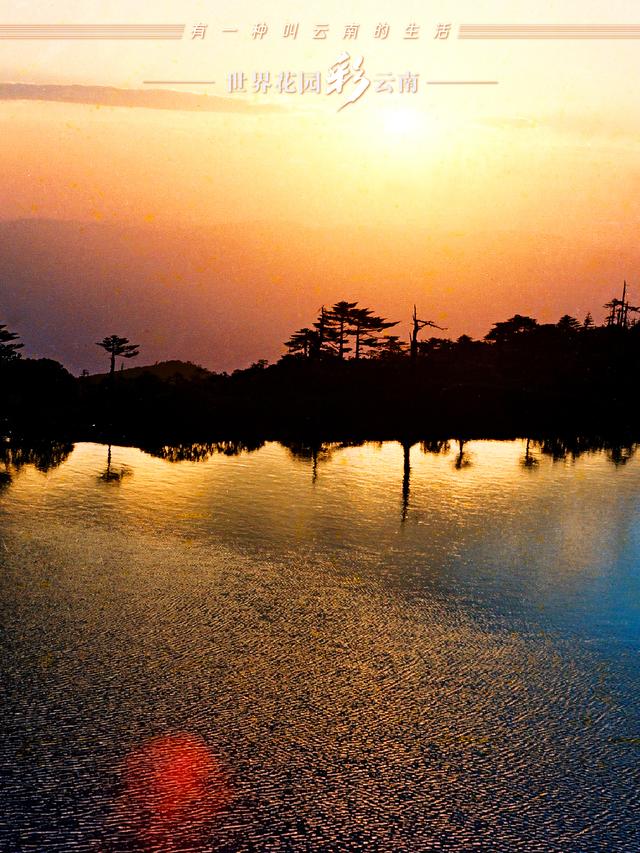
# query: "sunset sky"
{"type": "Point", "coordinates": [475, 201]}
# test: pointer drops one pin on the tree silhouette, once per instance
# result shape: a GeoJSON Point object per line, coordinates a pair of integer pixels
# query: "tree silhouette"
{"type": "Point", "coordinates": [514, 327]}
{"type": "Point", "coordinates": [8, 349]}
{"type": "Point", "coordinates": [465, 341]}
{"type": "Point", "coordinates": [326, 335]}
{"type": "Point", "coordinates": [320, 340]}
{"type": "Point", "coordinates": [619, 310]}
{"type": "Point", "coordinates": [301, 342]}
{"type": "Point", "coordinates": [390, 346]}
{"type": "Point", "coordinates": [417, 326]}
{"type": "Point", "coordinates": [342, 315]}
{"type": "Point", "coordinates": [118, 348]}
{"type": "Point", "coordinates": [360, 318]}
{"type": "Point", "coordinates": [568, 324]}
{"type": "Point", "coordinates": [331, 332]}
{"type": "Point", "coordinates": [366, 328]}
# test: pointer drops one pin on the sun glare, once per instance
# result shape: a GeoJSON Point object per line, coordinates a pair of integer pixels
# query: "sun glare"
{"type": "Point", "coordinates": [400, 121]}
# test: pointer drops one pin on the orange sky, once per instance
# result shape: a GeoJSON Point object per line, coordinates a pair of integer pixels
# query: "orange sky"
{"type": "Point", "coordinates": [549, 155]}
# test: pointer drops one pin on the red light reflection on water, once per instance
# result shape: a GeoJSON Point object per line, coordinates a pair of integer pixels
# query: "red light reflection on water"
{"type": "Point", "coordinates": [174, 788]}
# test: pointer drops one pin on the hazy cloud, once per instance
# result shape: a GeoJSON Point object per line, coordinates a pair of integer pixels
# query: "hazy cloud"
{"type": "Point", "coordinates": [108, 96]}
{"type": "Point", "coordinates": [590, 125]}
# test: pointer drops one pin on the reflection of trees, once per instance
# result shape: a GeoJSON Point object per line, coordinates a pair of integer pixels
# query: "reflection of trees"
{"type": "Point", "coordinates": [558, 448]}
{"type": "Point", "coordinates": [463, 460]}
{"type": "Point", "coordinates": [43, 455]}
{"type": "Point", "coordinates": [561, 448]}
{"type": "Point", "coordinates": [110, 474]}
{"type": "Point", "coordinates": [618, 452]}
{"type": "Point", "coordinates": [435, 445]}
{"type": "Point", "coordinates": [5, 479]}
{"type": "Point", "coordinates": [316, 452]}
{"type": "Point", "coordinates": [306, 450]}
{"type": "Point", "coordinates": [313, 453]}
{"type": "Point", "coordinates": [201, 451]}
{"type": "Point", "coordinates": [621, 454]}
{"type": "Point", "coordinates": [529, 461]}
{"type": "Point", "coordinates": [235, 448]}
{"type": "Point", "coordinates": [406, 477]}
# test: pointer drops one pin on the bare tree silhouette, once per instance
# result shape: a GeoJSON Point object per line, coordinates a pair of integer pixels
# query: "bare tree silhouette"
{"type": "Point", "coordinates": [619, 310]}
{"type": "Point", "coordinates": [417, 325]}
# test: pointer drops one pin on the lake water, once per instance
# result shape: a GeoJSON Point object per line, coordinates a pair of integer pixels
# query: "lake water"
{"type": "Point", "coordinates": [341, 648]}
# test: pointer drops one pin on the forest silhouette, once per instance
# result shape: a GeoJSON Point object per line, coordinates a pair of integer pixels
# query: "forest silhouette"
{"type": "Point", "coordinates": [346, 376]}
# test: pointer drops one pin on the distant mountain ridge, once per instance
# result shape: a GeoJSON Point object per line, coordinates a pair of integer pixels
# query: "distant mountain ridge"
{"type": "Point", "coordinates": [162, 370]}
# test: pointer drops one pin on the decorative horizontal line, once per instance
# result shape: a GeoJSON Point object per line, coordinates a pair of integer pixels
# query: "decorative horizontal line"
{"type": "Point", "coordinates": [549, 31]}
{"type": "Point", "coordinates": [178, 82]}
{"type": "Point", "coordinates": [619, 27]}
{"type": "Point", "coordinates": [91, 31]}
{"type": "Point", "coordinates": [90, 38]}
{"type": "Point", "coordinates": [462, 82]}
{"type": "Point", "coordinates": [92, 26]}
{"type": "Point", "coordinates": [548, 38]}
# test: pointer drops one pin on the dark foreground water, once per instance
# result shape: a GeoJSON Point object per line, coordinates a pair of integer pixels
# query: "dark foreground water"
{"type": "Point", "coordinates": [361, 648]}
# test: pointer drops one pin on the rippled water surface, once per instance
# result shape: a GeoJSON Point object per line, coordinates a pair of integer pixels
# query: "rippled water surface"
{"type": "Point", "coordinates": [342, 648]}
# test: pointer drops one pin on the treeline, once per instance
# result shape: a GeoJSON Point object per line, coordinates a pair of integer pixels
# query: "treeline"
{"type": "Point", "coordinates": [347, 376]}
{"type": "Point", "coordinates": [343, 329]}
{"type": "Point", "coordinates": [348, 331]}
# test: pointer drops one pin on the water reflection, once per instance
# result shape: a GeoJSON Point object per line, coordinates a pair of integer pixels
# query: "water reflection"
{"type": "Point", "coordinates": [317, 452]}
{"type": "Point", "coordinates": [573, 447]}
{"type": "Point", "coordinates": [43, 455]}
{"type": "Point", "coordinates": [111, 474]}
{"type": "Point", "coordinates": [529, 461]}
{"type": "Point", "coordinates": [403, 654]}
{"type": "Point", "coordinates": [621, 454]}
{"type": "Point", "coordinates": [406, 477]}
{"type": "Point", "coordinates": [435, 446]}
{"type": "Point", "coordinates": [200, 452]}
{"type": "Point", "coordinates": [463, 458]}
